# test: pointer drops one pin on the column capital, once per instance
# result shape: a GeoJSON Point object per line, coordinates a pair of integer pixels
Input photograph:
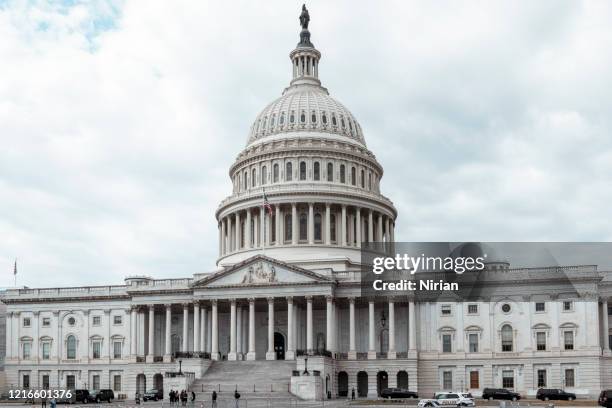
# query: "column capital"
{"type": "Point", "coordinates": [107, 311]}
{"type": "Point", "coordinates": [329, 298]}
{"type": "Point", "coordinates": [308, 298]}
{"type": "Point", "coordinates": [37, 312]}
{"type": "Point", "coordinates": [270, 299]}
{"type": "Point", "coordinates": [151, 306]}
{"type": "Point", "coordinates": [233, 301]}
{"type": "Point", "coordinates": [213, 302]}
{"type": "Point", "coordinates": [252, 300]}
{"type": "Point", "coordinates": [351, 299]}
{"type": "Point", "coordinates": [196, 303]}
{"type": "Point", "coordinates": [134, 308]}
{"type": "Point", "coordinates": [289, 299]}
{"type": "Point", "coordinates": [168, 306]}
{"type": "Point", "coordinates": [327, 205]}
{"type": "Point", "coordinates": [185, 305]}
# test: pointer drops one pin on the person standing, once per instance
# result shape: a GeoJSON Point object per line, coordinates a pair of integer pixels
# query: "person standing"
{"type": "Point", "coordinates": [214, 399]}
{"type": "Point", "coordinates": [193, 397]}
{"type": "Point", "coordinates": [236, 397]}
{"type": "Point", "coordinates": [353, 393]}
{"type": "Point", "coordinates": [43, 402]}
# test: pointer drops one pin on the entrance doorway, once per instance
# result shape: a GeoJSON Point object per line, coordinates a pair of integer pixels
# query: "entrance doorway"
{"type": "Point", "coordinates": [402, 380]}
{"type": "Point", "coordinates": [141, 383]}
{"type": "Point", "coordinates": [279, 346]}
{"type": "Point", "coordinates": [362, 384]}
{"type": "Point", "coordinates": [158, 382]}
{"type": "Point", "coordinates": [382, 381]}
{"type": "Point", "coordinates": [342, 384]}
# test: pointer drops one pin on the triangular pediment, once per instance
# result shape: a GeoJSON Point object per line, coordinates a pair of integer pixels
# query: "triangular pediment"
{"type": "Point", "coordinates": [261, 271]}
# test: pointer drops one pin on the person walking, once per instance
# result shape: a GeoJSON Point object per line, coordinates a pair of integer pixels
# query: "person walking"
{"type": "Point", "coordinates": [53, 403]}
{"type": "Point", "coordinates": [236, 397]}
{"type": "Point", "coordinates": [43, 403]}
{"type": "Point", "coordinates": [193, 397]}
{"type": "Point", "coordinates": [214, 399]}
{"type": "Point", "coordinates": [353, 393]}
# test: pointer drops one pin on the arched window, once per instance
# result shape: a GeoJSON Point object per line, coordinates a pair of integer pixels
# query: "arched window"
{"type": "Point", "coordinates": [362, 179]}
{"type": "Point", "coordinates": [334, 121]}
{"type": "Point", "coordinates": [272, 121]}
{"type": "Point", "coordinates": [253, 178]}
{"type": "Point", "coordinates": [353, 176]}
{"type": "Point", "coordinates": [342, 122]}
{"type": "Point", "coordinates": [330, 172]}
{"type": "Point", "coordinates": [324, 118]}
{"type": "Point", "coordinates": [317, 227]}
{"type": "Point", "coordinates": [245, 180]}
{"type": "Point", "coordinates": [275, 175]}
{"type": "Point", "coordinates": [370, 181]}
{"type": "Point", "coordinates": [342, 174]}
{"type": "Point", "coordinates": [302, 171]}
{"type": "Point", "coordinates": [303, 117]}
{"type": "Point", "coordinates": [288, 171]}
{"type": "Point", "coordinates": [317, 171]}
{"type": "Point", "coordinates": [282, 119]}
{"type": "Point", "coordinates": [332, 228]}
{"type": "Point", "coordinates": [71, 347]}
{"type": "Point", "coordinates": [292, 118]}
{"type": "Point", "coordinates": [288, 227]}
{"type": "Point", "coordinates": [313, 118]}
{"type": "Point", "coordinates": [303, 226]}
{"type": "Point", "coordinates": [264, 175]}
{"type": "Point", "coordinates": [507, 338]}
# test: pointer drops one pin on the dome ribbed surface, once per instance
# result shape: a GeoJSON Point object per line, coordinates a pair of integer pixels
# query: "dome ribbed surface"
{"type": "Point", "coordinates": [308, 109]}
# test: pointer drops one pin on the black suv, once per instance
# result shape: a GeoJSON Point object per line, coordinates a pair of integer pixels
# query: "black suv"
{"type": "Point", "coordinates": [500, 393]}
{"type": "Point", "coordinates": [545, 394]}
{"type": "Point", "coordinates": [81, 396]}
{"type": "Point", "coordinates": [153, 395]}
{"type": "Point", "coordinates": [397, 393]}
{"type": "Point", "coordinates": [605, 399]}
{"type": "Point", "coordinates": [101, 395]}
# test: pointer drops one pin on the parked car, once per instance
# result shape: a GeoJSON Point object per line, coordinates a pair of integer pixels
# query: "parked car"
{"type": "Point", "coordinates": [81, 396]}
{"type": "Point", "coordinates": [456, 399]}
{"type": "Point", "coordinates": [101, 395]}
{"type": "Point", "coordinates": [605, 398]}
{"type": "Point", "coordinates": [153, 395]}
{"type": "Point", "coordinates": [398, 393]}
{"type": "Point", "coordinates": [546, 394]}
{"type": "Point", "coordinates": [500, 393]}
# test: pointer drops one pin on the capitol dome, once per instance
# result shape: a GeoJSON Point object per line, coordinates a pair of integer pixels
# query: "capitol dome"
{"type": "Point", "coordinates": [306, 189]}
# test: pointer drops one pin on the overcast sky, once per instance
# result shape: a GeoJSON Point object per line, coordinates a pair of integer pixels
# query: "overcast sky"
{"type": "Point", "coordinates": [119, 121]}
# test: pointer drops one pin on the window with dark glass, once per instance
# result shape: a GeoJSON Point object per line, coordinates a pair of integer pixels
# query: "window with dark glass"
{"type": "Point", "coordinates": [508, 379]}
{"type": "Point", "coordinates": [507, 338]}
{"type": "Point", "coordinates": [332, 227]}
{"type": "Point", "coordinates": [313, 118]}
{"type": "Point", "coordinates": [275, 175]}
{"type": "Point", "coordinates": [97, 348]}
{"type": "Point", "coordinates": [71, 347]}
{"type": "Point", "coordinates": [317, 171]}
{"type": "Point", "coordinates": [568, 340]}
{"type": "Point", "coordinates": [303, 117]}
{"type": "Point", "coordinates": [288, 227]}
{"type": "Point", "coordinates": [303, 227]}
{"type": "Point", "coordinates": [302, 171]}
{"type": "Point", "coordinates": [264, 175]}
{"type": "Point", "coordinates": [330, 172]}
{"type": "Point", "coordinates": [253, 178]}
{"type": "Point", "coordinates": [569, 377]}
{"type": "Point", "coordinates": [353, 176]}
{"type": "Point", "coordinates": [342, 174]}
{"type": "Point", "coordinates": [362, 179]}
{"type": "Point", "coordinates": [541, 341]}
{"type": "Point", "coordinates": [541, 378]}
{"type": "Point", "coordinates": [334, 122]}
{"type": "Point", "coordinates": [317, 227]}
{"type": "Point", "coordinates": [446, 343]}
{"type": "Point", "coordinates": [473, 340]}
{"type": "Point", "coordinates": [288, 171]}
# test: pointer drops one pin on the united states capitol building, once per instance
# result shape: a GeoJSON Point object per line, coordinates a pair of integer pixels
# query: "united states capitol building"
{"type": "Point", "coordinates": [288, 288]}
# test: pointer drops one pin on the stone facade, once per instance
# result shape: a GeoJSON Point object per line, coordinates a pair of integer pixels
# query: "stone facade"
{"type": "Point", "coordinates": [306, 196]}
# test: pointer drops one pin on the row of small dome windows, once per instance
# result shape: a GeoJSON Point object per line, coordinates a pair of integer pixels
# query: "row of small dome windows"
{"type": "Point", "coordinates": [261, 124]}
{"type": "Point", "coordinates": [242, 180]}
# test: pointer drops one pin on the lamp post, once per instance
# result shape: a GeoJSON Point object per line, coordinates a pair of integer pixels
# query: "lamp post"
{"type": "Point", "coordinates": [305, 366]}
{"type": "Point", "coordinates": [180, 367]}
{"type": "Point", "coordinates": [383, 319]}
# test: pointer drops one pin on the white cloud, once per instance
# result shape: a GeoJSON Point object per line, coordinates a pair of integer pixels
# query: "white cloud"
{"type": "Point", "coordinates": [119, 120]}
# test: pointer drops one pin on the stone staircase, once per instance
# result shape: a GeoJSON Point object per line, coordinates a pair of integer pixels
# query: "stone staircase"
{"type": "Point", "coordinates": [255, 380]}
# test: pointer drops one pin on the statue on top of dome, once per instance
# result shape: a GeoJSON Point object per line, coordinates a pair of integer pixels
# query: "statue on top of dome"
{"type": "Point", "coordinates": [304, 17]}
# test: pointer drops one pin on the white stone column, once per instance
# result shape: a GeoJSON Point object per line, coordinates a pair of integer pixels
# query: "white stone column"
{"type": "Point", "coordinates": [268, 229]}
{"type": "Point", "coordinates": [168, 339]}
{"type": "Point", "coordinates": [370, 226]}
{"type": "Point", "coordinates": [606, 326]}
{"type": "Point", "coordinates": [290, 353]}
{"type": "Point", "coordinates": [203, 330]}
{"type": "Point", "coordinates": [133, 333]}
{"type": "Point", "coordinates": [196, 326]}
{"type": "Point", "coordinates": [251, 355]}
{"type": "Point", "coordinates": [379, 229]}
{"type": "Point", "coordinates": [223, 238]}
{"type": "Point", "coordinates": [256, 235]}
{"type": "Point", "coordinates": [238, 234]}
{"type": "Point", "coordinates": [232, 352]}
{"type": "Point", "coordinates": [151, 350]}
{"type": "Point", "coordinates": [277, 224]}
{"type": "Point", "coordinates": [371, 327]}
{"type": "Point", "coordinates": [358, 227]}
{"type": "Point", "coordinates": [411, 326]}
{"type": "Point", "coordinates": [247, 230]}
{"type": "Point", "coordinates": [294, 225]}
{"type": "Point", "coordinates": [185, 347]}
{"type": "Point", "coordinates": [214, 354]}
{"type": "Point", "coordinates": [309, 323]}
{"type": "Point", "coordinates": [352, 354]}
{"type": "Point", "coordinates": [327, 224]}
{"type": "Point", "coordinates": [310, 223]}
{"type": "Point", "coordinates": [343, 226]}
{"type": "Point", "coordinates": [262, 228]}
{"type": "Point", "coordinates": [329, 328]}
{"type": "Point", "coordinates": [392, 353]}
{"type": "Point", "coordinates": [271, 354]}
{"type": "Point", "coordinates": [238, 332]}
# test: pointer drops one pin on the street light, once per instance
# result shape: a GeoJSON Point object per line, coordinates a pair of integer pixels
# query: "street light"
{"type": "Point", "coordinates": [180, 367]}
{"type": "Point", "coordinates": [383, 319]}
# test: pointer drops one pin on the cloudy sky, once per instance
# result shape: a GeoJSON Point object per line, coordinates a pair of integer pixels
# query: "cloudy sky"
{"type": "Point", "coordinates": [119, 121]}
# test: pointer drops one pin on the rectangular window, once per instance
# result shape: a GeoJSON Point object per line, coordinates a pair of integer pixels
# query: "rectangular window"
{"type": "Point", "coordinates": [472, 309]}
{"type": "Point", "coordinates": [46, 348]}
{"type": "Point", "coordinates": [26, 381]}
{"type": "Point", "coordinates": [70, 382]}
{"type": "Point", "coordinates": [569, 377]}
{"type": "Point", "coordinates": [45, 382]}
{"type": "Point", "coordinates": [27, 348]}
{"type": "Point", "coordinates": [117, 349]}
{"type": "Point", "coordinates": [540, 307]}
{"type": "Point", "coordinates": [446, 310]}
{"type": "Point", "coordinates": [568, 340]}
{"type": "Point", "coordinates": [117, 383]}
{"type": "Point", "coordinates": [508, 379]}
{"type": "Point", "coordinates": [568, 306]}
{"type": "Point", "coordinates": [97, 346]}
{"type": "Point", "coordinates": [446, 343]}
{"type": "Point", "coordinates": [474, 380]}
{"type": "Point", "coordinates": [447, 380]}
{"type": "Point", "coordinates": [541, 341]}
{"type": "Point", "coordinates": [46, 321]}
{"type": "Point", "coordinates": [541, 378]}
{"type": "Point", "coordinates": [116, 319]}
{"type": "Point", "coordinates": [95, 380]}
{"type": "Point", "coordinates": [26, 322]}
{"type": "Point", "coordinates": [473, 340]}
{"type": "Point", "coordinates": [609, 310]}
{"type": "Point", "coordinates": [95, 321]}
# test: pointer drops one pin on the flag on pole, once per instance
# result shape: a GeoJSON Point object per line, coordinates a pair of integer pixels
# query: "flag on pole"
{"type": "Point", "coordinates": [266, 203]}
{"type": "Point", "coordinates": [15, 268]}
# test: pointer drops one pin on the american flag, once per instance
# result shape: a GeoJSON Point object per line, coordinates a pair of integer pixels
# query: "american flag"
{"type": "Point", "coordinates": [266, 203]}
